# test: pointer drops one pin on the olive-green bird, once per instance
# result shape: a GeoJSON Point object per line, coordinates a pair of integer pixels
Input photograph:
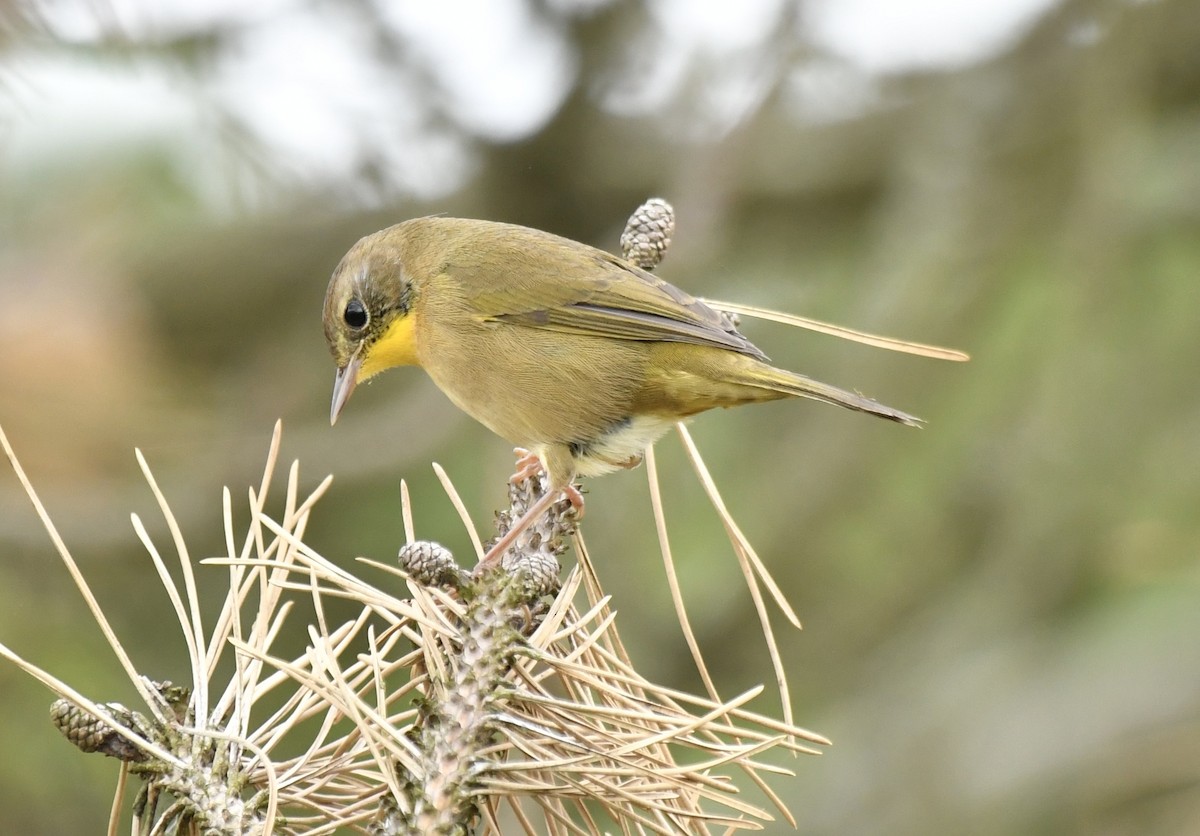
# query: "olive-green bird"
{"type": "Point", "coordinates": [574, 354]}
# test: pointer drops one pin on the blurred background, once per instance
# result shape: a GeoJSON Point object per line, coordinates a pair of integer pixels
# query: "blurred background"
{"type": "Point", "coordinates": [1002, 611]}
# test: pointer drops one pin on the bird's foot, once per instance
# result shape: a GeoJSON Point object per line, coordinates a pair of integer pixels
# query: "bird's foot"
{"type": "Point", "coordinates": [575, 496]}
{"type": "Point", "coordinates": [528, 465]}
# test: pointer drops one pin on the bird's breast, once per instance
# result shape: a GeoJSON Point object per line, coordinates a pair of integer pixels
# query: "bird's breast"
{"type": "Point", "coordinates": [532, 386]}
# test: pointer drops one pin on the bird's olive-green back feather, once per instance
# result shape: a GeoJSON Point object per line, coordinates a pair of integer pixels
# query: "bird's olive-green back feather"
{"type": "Point", "coordinates": [526, 277]}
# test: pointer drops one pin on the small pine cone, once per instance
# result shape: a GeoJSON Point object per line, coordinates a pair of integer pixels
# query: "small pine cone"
{"type": "Point", "coordinates": [431, 564]}
{"type": "Point", "coordinates": [537, 571]}
{"type": "Point", "coordinates": [648, 233]}
{"type": "Point", "coordinates": [94, 735]}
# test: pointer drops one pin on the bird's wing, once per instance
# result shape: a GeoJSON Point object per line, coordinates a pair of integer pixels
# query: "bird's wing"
{"type": "Point", "coordinates": [562, 286]}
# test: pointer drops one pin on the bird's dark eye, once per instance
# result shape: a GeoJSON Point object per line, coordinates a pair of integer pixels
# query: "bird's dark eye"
{"type": "Point", "coordinates": [355, 314]}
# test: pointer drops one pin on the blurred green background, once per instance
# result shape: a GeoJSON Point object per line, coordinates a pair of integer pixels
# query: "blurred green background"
{"type": "Point", "coordinates": [1002, 611]}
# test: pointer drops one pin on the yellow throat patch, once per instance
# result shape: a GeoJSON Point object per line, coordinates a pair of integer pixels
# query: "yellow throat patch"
{"type": "Point", "coordinates": [397, 347]}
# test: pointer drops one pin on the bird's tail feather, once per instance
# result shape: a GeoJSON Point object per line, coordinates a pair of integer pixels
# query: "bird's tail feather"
{"type": "Point", "coordinates": [797, 385]}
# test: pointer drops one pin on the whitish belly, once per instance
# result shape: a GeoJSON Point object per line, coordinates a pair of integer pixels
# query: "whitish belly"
{"type": "Point", "coordinates": [620, 447]}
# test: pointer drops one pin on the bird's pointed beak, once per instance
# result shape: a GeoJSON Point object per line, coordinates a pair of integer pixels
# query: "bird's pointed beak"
{"type": "Point", "coordinates": [343, 386]}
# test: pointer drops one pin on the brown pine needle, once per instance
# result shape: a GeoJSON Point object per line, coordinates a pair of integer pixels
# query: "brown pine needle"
{"type": "Point", "coordinates": [753, 570]}
{"type": "Point", "coordinates": [407, 513]}
{"type": "Point", "coordinates": [664, 546]}
{"type": "Point", "coordinates": [580, 739]}
{"type": "Point", "coordinates": [461, 508]}
{"type": "Point", "coordinates": [81, 584]}
{"type": "Point", "coordinates": [889, 343]}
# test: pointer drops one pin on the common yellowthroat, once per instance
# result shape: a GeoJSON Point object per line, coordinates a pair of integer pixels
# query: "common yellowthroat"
{"type": "Point", "coordinates": [572, 353]}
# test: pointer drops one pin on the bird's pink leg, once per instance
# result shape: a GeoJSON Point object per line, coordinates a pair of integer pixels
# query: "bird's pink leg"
{"type": "Point", "coordinates": [528, 466]}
